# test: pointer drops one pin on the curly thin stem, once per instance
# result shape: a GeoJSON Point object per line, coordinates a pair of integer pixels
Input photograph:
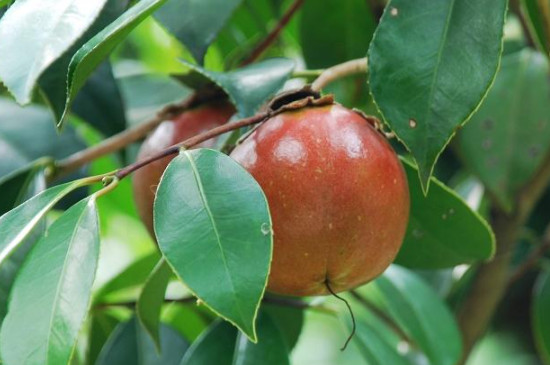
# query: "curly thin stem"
{"type": "Point", "coordinates": [334, 73]}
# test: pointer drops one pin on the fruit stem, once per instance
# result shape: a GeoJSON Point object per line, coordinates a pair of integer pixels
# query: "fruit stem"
{"type": "Point", "coordinates": [339, 71]}
{"type": "Point", "coordinates": [193, 141]}
{"type": "Point", "coordinates": [272, 36]}
{"type": "Point", "coordinates": [353, 324]}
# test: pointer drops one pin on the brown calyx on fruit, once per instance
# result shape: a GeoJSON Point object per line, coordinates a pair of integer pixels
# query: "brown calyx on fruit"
{"type": "Point", "coordinates": [337, 193]}
{"type": "Point", "coordinates": [168, 133]}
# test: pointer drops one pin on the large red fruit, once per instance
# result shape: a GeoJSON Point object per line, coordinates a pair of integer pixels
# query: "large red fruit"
{"type": "Point", "coordinates": [188, 124]}
{"type": "Point", "coordinates": [337, 194]}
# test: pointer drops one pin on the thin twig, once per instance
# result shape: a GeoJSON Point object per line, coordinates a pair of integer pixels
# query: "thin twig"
{"type": "Point", "coordinates": [544, 10]}
{"type": "Point", "coordinates": [518, 9]}
{"type": "Point", "coordinates": [263, 45]}
{"type": "Point", "coordinates": [124, 138]}
{"type": "Point", "coordinates": [383, 316]}
{"type": "Point", "coordinates": [531, 261]}
{"type": "Point", "coordinates": [341, 70]}
{"type": "Point", "coordinates": [377, 8]}
{"type": "Point", "coordinates": [193, 141]}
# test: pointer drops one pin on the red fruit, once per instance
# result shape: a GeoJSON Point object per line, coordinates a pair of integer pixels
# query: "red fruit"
{"type": "Point", "coordinates": [337, 194]}
{"type": "Point", "coordinates": [188, 124]}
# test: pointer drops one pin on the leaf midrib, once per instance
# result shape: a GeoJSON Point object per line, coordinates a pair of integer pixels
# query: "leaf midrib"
{"type": "Point", "coordinates": [215, 227]}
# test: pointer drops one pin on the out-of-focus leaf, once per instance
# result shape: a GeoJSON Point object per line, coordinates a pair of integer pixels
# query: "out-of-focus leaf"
{"type": "Point", "coordinates": [100, 103]}
{"type": "Point", "coordinates": [130, 344]}
{"type": "Point", "coordinates": [50, 297]}
{"type": "Point", "coordinates": [223, 250]}
{"type": "Point", "coordinates": [249, 87]}
{"type": "Point", "coordinates": [102, 325]}
{"type": "Point", "coordinates": [196, 23]}
{"type": "Point", "coordinates": [150, 301]}
{"type": "Point", "coordinates": [27, 134]}
{"type": "Point", "coordinates": [34, 36]}
{"type": "Point", "coordinates": [334, 31]}
{"type": "Point", "coordinates": [443, 231]}
{"type": "Point", "coordinates": [541, 315]}
{"type": "Point", "coordinates": [508, 138]}
{"type": "Point", "coordinates": [534, 15]}
{"type": "Point", "coordinates": [427, 86]}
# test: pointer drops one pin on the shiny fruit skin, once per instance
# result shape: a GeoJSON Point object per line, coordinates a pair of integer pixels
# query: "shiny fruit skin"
{"type": "Point", "coordinates": [168, 133]}
{"type": "Point", "coordinates": [337, 194]}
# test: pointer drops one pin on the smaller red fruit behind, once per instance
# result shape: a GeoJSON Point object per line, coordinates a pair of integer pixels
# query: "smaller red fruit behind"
{"type": "Point", "coordinates": [188, 124]}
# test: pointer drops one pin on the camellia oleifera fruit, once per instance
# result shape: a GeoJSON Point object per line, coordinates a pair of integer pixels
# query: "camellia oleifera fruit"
{"type": "Point", "coordinates": [168, 133]}
{"type": "Point", "coordinates": [337, 194]}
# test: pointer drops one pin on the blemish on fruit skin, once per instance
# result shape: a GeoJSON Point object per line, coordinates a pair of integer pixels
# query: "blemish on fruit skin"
{"type": "Point", "coordinates": [330, 226]}
{"type": "Point", "coordinates": [487, 144]}
{"type": "Point", "coordinates": [394, 12]}
{"type": "Point", "coordinates": [359, 218]}
{"type": "Point", "coordinates": [451, 211]}
{"type": "Point", "coordinates": [412, 123]}
{"type": "Point", "coordinates": [444, 216]}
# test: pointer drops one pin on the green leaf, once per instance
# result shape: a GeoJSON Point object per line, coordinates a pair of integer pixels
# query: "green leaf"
{"type": "Point", "coordinates": [534, 17]}
{"type": "Point", "coordinates": [443, 231]}
{"type": "Point", "coordinates": [215, 346]}
{"type": "Point", "coordinates": [335, 31]}
{"type": "Point", "coordinates": [27, 134]}
{"type": "Point", "coordinates": [145, 94]}
{"type": "Point", "coordinates": [271, 348]}
{"type": "Point", "coordinates": [213, 226]}
{"type": "Point", "coordinates": [100, 103]}
{"type": "Point", "coordinates": [150, 301]}
{"type": "Point", "coordinates": [508, 138]}
{"type": "Point", "coordinates": [431, 64]}
{"type": "Point", "coordinates": [93, 52]}
{"type": "Point", "coordinates": [289, 320]}
{"type": "Point", "coordinates": [222, 345]}
{"type": "Point", "coordinates": [373, 347]}
{"type": "Point", "coordinates": [195, 23]}
{"type": "Point", "coordinates": [130, 344]}
{"type": "Point", "coordinates": [53, 82]}
{"type": "Point", "coordinates": [541, 316]}
{"type": "Point", "coordinates": [189, 320]}
{"type": "Point", "coordinates": [17, 224]}
{"type": "Point", "coordinates": [34, 36]}
{"type": "Point", "coordinates": [419, 312]}
{"type": "Point", "coordinates": [51, 295]}
{"type": "Point", "coordinates": [129, 279]}
{"type": "Point", "coordinates": [101, 327]}
{"type": "Point", "coordinates": [249, 87]}
{"type": "Point", "coordinates": [17, 188]}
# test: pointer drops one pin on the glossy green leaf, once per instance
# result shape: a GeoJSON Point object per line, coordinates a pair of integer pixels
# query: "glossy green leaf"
{"type": "Point", "coordinates": [419, 312]}
{"type": "Point", "coordinates": [150, 301]}
{"type": "Point", "coordinates": [215, 346]}
{"type": "Point", "coordinates": [93, 52]}
{"type": "Point", "coordinates": [443, 230]}
{"type": "Point", "coordinates": [16, 189]}
{"type": "Point", "coordinates": [53, 82]}
{"type": "Point", "coordinates": [541, 315]}
{"type": "Point", "coordinates": [271, 348]}
{"type": "Point", "coordinates": [334, 31]}
{"type": "Point", "coordinates": [508, 138]}
{"type": "Point", "coordinates": [34, 36]}
{"type": "Point", "coordinates": [130, 344]}
{"type": "Point", "coordinates": [17, 224]}
{"type": "Point", "coordinates": [249, 87]}
{"type": "Point", "coordinates": [431, 64]}
{"type": "Point", "coordinates": [373, 347]}
{"type": "Point", "coordinates": [129, 280]}
{"type": "Point", "coordinates": [51, 295]}
{"type": "Point", "coordinates": [99, 102]}
{"type": "Point", "coordinates": [508, 347]}
{"type": "Point", "coordinates": [213, 226]}
{"type": "Point", "coordinates": [195, 23]}
{"type": "Point", "coordinates": [28, 134]}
